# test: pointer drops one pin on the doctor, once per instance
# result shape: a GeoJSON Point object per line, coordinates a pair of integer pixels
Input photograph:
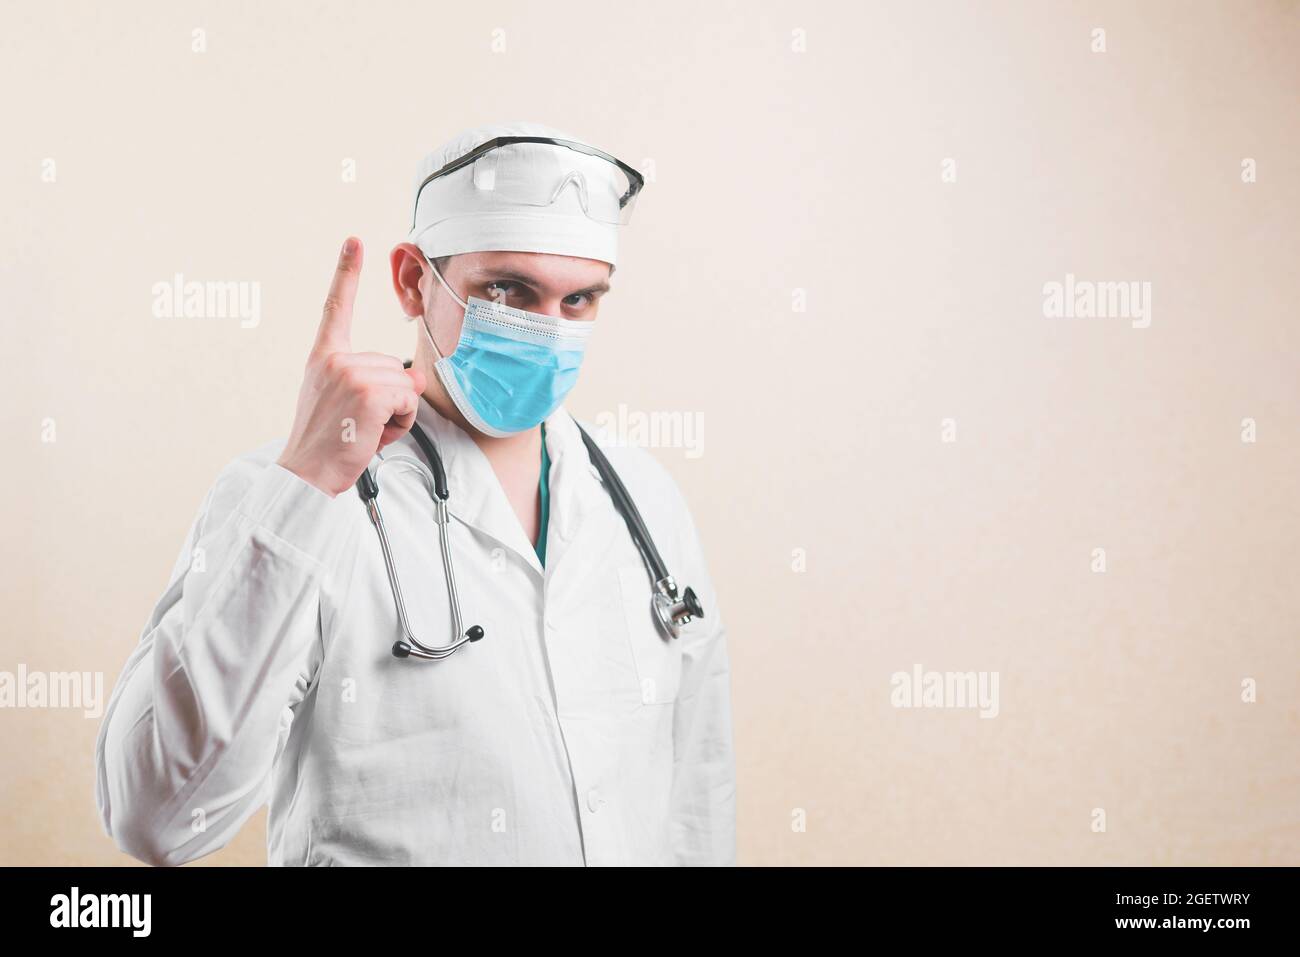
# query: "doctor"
{"type": "Point", "coordinates": [574, 731]}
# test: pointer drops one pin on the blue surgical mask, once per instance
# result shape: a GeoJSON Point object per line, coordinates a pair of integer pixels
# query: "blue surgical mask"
{"type": "Point", "coordinates": [511, 369]}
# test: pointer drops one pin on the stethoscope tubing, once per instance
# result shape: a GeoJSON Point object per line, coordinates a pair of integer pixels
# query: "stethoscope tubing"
{"type": "Point", "coordinates": [673, 609]}
{"type": "Point", "coordinates": [369, 493]}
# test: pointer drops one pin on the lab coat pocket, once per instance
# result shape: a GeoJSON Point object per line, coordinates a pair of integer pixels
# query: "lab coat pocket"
{"type": "Point", "coordinates": [658, 658]}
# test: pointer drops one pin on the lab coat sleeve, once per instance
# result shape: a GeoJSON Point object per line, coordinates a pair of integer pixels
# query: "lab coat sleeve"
{"type": "Point", "coordinates": [204, 703]}
{"type": "Point", "coordinates": [704, 772]}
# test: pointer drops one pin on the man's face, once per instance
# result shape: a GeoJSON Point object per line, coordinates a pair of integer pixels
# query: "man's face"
{"type": "Point", "coordinates": [563, 286]}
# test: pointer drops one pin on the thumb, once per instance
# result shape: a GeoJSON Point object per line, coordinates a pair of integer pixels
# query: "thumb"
{"type": "Point", "coordinates": [418, 381]}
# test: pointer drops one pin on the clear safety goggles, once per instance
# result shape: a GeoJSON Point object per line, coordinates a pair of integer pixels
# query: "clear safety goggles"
{"type": "Point", "coordinates": [537, 170]}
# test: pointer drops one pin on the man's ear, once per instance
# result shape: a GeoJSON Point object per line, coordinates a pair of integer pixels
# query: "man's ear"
{"type": "Point", "coordinates": [407, 266]}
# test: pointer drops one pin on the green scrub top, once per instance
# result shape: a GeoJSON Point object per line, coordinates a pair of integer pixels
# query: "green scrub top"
{"type": "Point", "coordinates": [544, 486]}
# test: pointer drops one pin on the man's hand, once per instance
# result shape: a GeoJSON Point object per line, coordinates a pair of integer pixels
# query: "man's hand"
{"type": "Point", "coordinates": [352, 404]}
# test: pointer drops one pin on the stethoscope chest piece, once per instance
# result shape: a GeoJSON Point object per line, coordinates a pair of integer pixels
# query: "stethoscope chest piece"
{"type": "Point", "coordinates": [674, 612]}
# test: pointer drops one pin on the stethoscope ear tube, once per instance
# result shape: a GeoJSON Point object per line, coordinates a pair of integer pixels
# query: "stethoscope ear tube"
{"type": "Point", "coordinates": [430, 455]}
{"type": "Point", "coordinates": [367, 487]}
{"type": "Point", "coordinates": [626, 507]}
{"type": "Point", "coordinates": [671, 610]}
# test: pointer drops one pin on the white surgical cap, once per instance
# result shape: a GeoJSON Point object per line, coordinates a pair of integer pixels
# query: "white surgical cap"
{"type": "Point", "coordinates": [453, 216]}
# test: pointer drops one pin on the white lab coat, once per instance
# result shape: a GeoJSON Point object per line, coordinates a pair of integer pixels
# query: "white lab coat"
{"type": "Point", "coordinates": [571, 734]}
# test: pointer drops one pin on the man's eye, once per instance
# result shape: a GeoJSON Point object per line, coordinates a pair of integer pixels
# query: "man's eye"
{"type": "Point", "coordinates": [577, 300]}
{"type": "Point", "coordinates": [501, 291]}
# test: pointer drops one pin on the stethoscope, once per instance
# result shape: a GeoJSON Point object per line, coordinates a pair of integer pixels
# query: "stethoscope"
{"type": "Point", "coordinates": [672, 611]}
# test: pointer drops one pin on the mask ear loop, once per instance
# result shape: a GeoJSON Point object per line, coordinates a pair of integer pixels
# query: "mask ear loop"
{"type": "Point", "coordinates": [424, 323]}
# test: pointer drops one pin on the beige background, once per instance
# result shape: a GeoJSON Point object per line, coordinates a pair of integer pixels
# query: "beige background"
{"type": "Point", "coordinates": [774, 171]}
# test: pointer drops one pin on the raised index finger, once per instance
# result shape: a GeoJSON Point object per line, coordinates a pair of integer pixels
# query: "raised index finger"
{"type": "Point", "coordinates": [335, 333]}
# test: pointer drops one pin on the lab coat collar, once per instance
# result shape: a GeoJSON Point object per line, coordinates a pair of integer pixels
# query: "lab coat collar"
{"type": "Point", "coordinates": [477, 499]}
